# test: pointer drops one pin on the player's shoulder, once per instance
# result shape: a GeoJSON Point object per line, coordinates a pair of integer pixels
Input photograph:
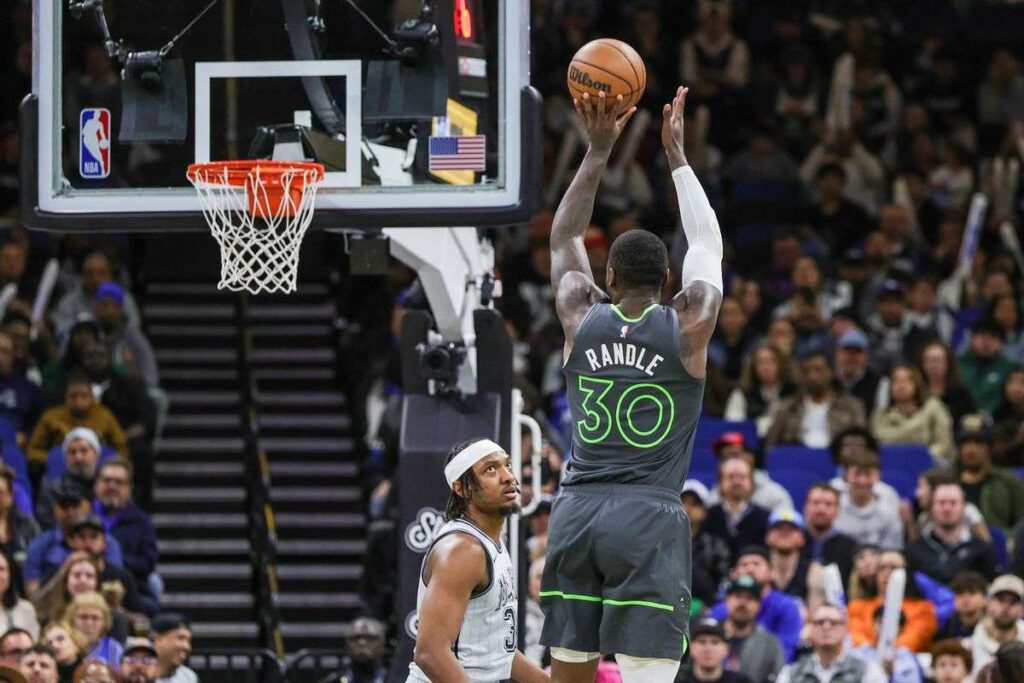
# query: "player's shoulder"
{"type": "Point", "coordinates": [458, 545]}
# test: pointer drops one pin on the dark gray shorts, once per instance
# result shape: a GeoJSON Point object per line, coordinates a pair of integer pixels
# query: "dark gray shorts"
{"type": "Point", "coordinates": [617, 573]}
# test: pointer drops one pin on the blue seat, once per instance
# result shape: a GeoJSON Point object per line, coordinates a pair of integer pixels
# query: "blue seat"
{"type": "Point", "coordinates": [15, 458]}
{"type": "Point", "coordinates": [999, 543]}
{"type": "Point", "coordinates": [1019, 471]}
{"type": "Point", "coordinates": [797, 482]}
{"type": "Point", "coordinates": [817, 461]}
{"type": "Point", "coordinates": [703, 459]}
{"type": "Point", "coordinates": [55, 461]}
{"type": "Point", "coordinates": [904, 482]}
{"type": "Point", "coordinates": [710, 428]}
{"type": "Point", "coordinates": [911, 458]}
{"type": "Point", "coordinates": [707, 477]}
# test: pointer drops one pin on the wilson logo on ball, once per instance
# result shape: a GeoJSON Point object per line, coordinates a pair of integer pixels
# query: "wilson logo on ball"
{"type": "Point", "coordinates": [584, 79]}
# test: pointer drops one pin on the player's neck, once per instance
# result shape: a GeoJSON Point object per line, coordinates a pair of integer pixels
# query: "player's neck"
{"type": "Point", "coordinates": [634, 303]}
{"type": "Point", "coordinates": [489, 524]}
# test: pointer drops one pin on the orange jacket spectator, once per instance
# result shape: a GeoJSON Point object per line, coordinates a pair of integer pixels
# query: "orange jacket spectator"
{"type": "Point", "coordinates": [80, 409]}
{"type": "Point", "coordinates": [916, 635]}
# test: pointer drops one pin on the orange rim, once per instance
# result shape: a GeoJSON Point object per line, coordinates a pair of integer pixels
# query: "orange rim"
{"type": "Point", "coordinates": [238, 173]}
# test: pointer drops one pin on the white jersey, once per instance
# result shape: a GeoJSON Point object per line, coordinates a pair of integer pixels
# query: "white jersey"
{"type": "Point", "coordinates": [487, 640]}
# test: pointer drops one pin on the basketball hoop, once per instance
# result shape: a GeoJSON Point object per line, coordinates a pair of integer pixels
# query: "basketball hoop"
{"type": "Point", "coordinates": [258, 212]}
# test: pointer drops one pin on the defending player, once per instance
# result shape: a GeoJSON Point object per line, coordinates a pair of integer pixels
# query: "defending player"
{"type": "Point", "coordinates": [617, 575]}
{"type": "Point", "coordinates": [467, 599]}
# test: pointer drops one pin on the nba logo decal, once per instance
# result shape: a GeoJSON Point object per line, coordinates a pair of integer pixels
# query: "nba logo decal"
{"type": "Point", "coordinates": [94, 143]}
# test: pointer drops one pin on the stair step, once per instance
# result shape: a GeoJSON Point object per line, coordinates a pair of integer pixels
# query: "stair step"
{"type": "Point", "coordinates": [186, 289]}
{"type": "Point", "coordinates": [231, 444]}
{"type": "Point", "coordinates": [193, 312]}
{"type": "Point", "coordinates": [319, 600]}
{"type": "Point", "coordinates": [339, 421]}
{"type": "Point", "coordinates": [294, 445]}
{"type": "Point", "coordinates": [199, 375]}
{"type": "Point", "coordinates": [325, 520]}
{"type": "Point", "coordinates": [313, 469]}
{"type": "Point", "coordinates": [204, 570]}
{"type": "Point", "coordinates": [303, 356]}
{"type": "Point", "coordinates": [294, 374]}
{"type": "Point", "coordinates": [201, 356]}
{"type": "Point", "coordinates": [207, 600]}
{"type": "Point", "coordinates": [314, 630]}
{"type": "Point", "coordinates": [189, 331]}
{"type": "Point", "coordinates": [200, 469]}
{"type": "Point", "coordinates": [199, 495]}
{"type": "Point", "coordinates": [288, 572]}
{"type": "Point", "coordinates": [320, 494]}
{"type": "Point", "coordinates": [291, 311]}
{"type": "Point", "coordinates": [214, 420]}
{"type": "Point", "coordinates": [318, 547]}
{"type": "Point", "coordinates": [203, 398]}
{"type": "Point", "coordinates": [206, 520]}
{"type": "Point", "coordinates": [204, 630]}
{"type": "Point", "coordinates": [208, 547]}
{"type": "Point", "coordinates": [312, 399]}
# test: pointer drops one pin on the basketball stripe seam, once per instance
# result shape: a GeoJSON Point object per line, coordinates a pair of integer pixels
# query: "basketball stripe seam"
{"type": "Point", "coordinates": [630, 62]}
{"type": "Point", "coordinates": [603, 70]}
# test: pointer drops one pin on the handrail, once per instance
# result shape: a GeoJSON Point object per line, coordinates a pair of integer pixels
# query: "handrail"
{"type": "Point", "coordinates": [262, 529]}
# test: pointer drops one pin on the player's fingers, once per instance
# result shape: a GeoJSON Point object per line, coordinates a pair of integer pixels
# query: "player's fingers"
{"type": "Point", "coordinates": [624, 119]}
{"type": "Point", "coordinates": [587, 108]}
{"type": "Point", "coordinates": [602, 106]}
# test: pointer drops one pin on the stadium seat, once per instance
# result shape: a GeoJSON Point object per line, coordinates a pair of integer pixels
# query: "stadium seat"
{"type": "Point", "coordinates": [817, 461]}
{"type": "Point", "coordinates": [910, 458]}
{"type": "Point", "coordinates": [710, 428]}
{"type": "Point", "coordinates": [707, 477]}
{"type": "Point", "coordinates": [703, 459]}
{"type": "Point", "coordinates": [1019, 471]}
{"type": "Point", "coordinates": [999, 543]}
{"type": "Point", "coordinates": [796, 481]}
{"type": "Point", "coordinates": [15, 458]}
{"type": "Point", "coordinates": [55, 460]}
{"type": "Point", "coordinates": [904, 482]}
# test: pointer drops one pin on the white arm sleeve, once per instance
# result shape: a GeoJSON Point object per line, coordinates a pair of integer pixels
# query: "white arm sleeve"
{"type": "Point", "coordinates": [703, 259]}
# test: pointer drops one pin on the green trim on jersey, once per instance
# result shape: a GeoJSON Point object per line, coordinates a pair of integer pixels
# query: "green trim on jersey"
{"type": "Point", "coordinates": [633, 320]}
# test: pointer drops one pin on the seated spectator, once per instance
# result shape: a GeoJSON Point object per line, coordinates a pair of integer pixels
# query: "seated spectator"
{"type": "Point", "coordinates": [913, 417]}
{"type": "Point", "coordinates": [710, 554]}
{"type": "Point", "coordinates": [942, 380]}
{"type": "Point", "coordinates": [730, 345]}
{"type": "Point", "coordinates": [83, 334]}
{"type": "Point", "coordinates": [81, 450]}
{"type": "Point", "coordinates": [983, 366]}
{"type": "Point", "coordinates": [131, 349]}
{"type": "Point", "coordinates": [817, 412]}
{"type": "Point", "coordinates": [767, 493]}
{"type": "Point", "coordinates": [67, 652]}
{"type": "Point", "coordinates": [825, 544]}
{"type": "Point", "coordinates": [901, 666]}
{"type": "Point", "coordinates": [95, 671]}
{"type": "Point", "coordinates": [968, 605]}
{"type": "Point", "coordinates": [87, 535]}
{"type": "Point", "coordinates": [840, 222]}
{"type": "Point", "coordinates": [172, 639]}
{"type": "Point", "coordinates": [39, 665]}
{"type": "Point", "coordinates": [865, 174]}
{"type": "Point", "coordinates": [921, 623]}
{"type": "Point", "coordinates": [90, 620]}
{"type": "Point", "coordinates": [947, 546]}
{"type": "Point", "coordinates": [14, 644]}
{"type": "Point", "coordinates": [1008, 431]}
{"type": "Point", "coordinates": [79, 301]}
{"type": "Point", "coordinates": [80, 574]}
{"type": "Point", "coordinates": [17, 529]}
{"type": "Point", "coordinates": [736, 519]}
{"type": "Point", "coordinates": [809, 290]}
{"type": "Point", "coordinates": [779, 613]}
{"type": "Point", "coordinates": [855, 440]}
{"type": "Point", "coordinates": [708, 651]}
{"type": "Point", "coordinates": [829, 659]}
{"type": "Point", "coordinates": [532, 647]}
{"type": "Point", "coordinates": [890, 329]}
{"type": "Point", "coordinates": [926, 483]}
{"type": "Point", "coordinates": [139, 662]}
{"type": "Point", "coordinates": [753, 651]}
{"type": "Point", "coordinates": [1002, 621]}
{"type": "Point", "coordinates": [764, 382]}
{"type": "Point", "coordinates": [951, 661]}
{"type": "Point", "coordinates": [15, 611]}
{"type": "Point", "coordinates": [18, 327]}
{"type": "Point", "coordinates": [863, 514]}
{"type": "Point", "coordinates": [20, 404]}
{"type": "Point", "coordinates": [854, 373]}
{"type": "Point", "coordinates": [50, 549]}
{"type": "Point", "coordinates": [132, 527]}
{"type": "Point", "coordinates": [785, 541]}
{"type": "Point", "coordinates": [80, 409]}
{"type": "Point", "coordinates": [1008, 665]}
{"type": "Point", "coordinates": [997, 492]}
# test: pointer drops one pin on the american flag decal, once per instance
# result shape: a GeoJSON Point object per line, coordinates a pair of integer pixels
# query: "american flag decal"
{"type": "Point", "coordinates": [461, 153]}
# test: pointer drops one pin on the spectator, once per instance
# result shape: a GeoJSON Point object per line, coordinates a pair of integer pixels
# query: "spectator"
{"type": "Point", "coordinates": [132, 527]}
{"type": "Point", "coordinates": [767, 493]}
{"type": "Point", "coordinates": [810, 299]}
{"type": "Point", "coordinates": [855, 440]}
{"type": "Point", "coordinates": [172, 638]}
{"type": "Point", "coordinates": [1005, 310]}
{"type": "Point", "coordinates": [1002, 622]}
{"type": "Point", "coordinates": [997, 492]}
{"type": "Point", "coordinates": [78, 302]}
{"type": "Point", "coordinates": [779, 613]}
{"type": "Point", "coordinates": [83, 334]}
{"type": "Point", "coordinates": [710, 554]}
{"type": "Point", "coordinates": [81, 453]}
{"type": "Point", "coordinates": [817, 412]}
{"type": "Point", "coordinates": [532, 648]}
{"type": "Point", "coordinates": [947, 546]}
{"type": "Point", "coordinates": [708, 651]}
{"type": "Point", "coordinates": [131, 349]}
{"type": "Point", "coordinates": [921, 623]}
{"type": "Point", "coordinates": [900, 666]}
{"type": "Point", "coordinates": [753, 651]}
{"type": "Point", "coordinates": [90, 620]}
{"type": "Point", "coordinates": [924, 311]}
{"type": "Point", "coordinates": [829, 660]}
{"type": "Point", "coordinates": [1008, 665]}
{"type": "Point", "coordinates": [50, 549]}
{"type": "Point", "coordinates": [863, 514]}
{"type": "Point", "coordinates": [1001, 94]}
{"type": "Point", "coordinates": [983, 366]}
{"type": "Point", "coordinates": [765, 380]}
{"type": "Point", "coordinates": [19, 396]}
{"type": "Point", "coordinates": [80, 574]}
{"type": "Point", "coordinates": [18, 327]}
{"type": "Point", "coordinates": [736, 519]}
{"type": "Point", "coordinates": [763, 162]}
{"type": "Point", "coordinates": [854, 372]}
{"type": "Point", "coordinates": [913, 417]}
{"type": "Point", "coordinates": [968, 606]}
{"type": "Point", "coordinates": [1008, 432]}
{"type": "Point", "coordinates": [39, 665]}
{"type": "Point", "coordinates": [865, 174]}
{"type": "Point", "coordinates": [14, 645]}
{"type": "Point", "coordinates": [365, 647]}
{"type": "Point", "coordinates": [139, 662]}
{"type": "Point", "coordinates": [951, 661]}
{"type": "Point", "coordinates": [824, 543]}
{"type": "Point", "coordinates": [15, 611]}
{"type": "Point", "coordinates": [942, 380]}
{"type": "Point", "coordinates": [889, 327]}
{"type": "Point", "coordinates": [927, 481]}
{"type": "Point", "coordinates": [117, 584]}
{"type": "Point", "coordinates": [95, 671]}
{"type": "Point", "coordinates": [785, 541]}
{"type": "Point", "coordinates": [842, 223]}
{"type": "Point", "coordinates": [80, 409]}
{"type": "Point", "coordinates": [730, 344]}
{"type": "Point", "coordinates": [57, 637]}
{"type": "Point", "coordinates": [17, 529]}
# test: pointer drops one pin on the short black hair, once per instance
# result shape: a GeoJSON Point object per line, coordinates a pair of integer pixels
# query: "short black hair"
{"type": "Point", "coordinates": [43, 649]}
{"type": "Point", "coordinates": [855, 430]}
{"type": "Point", "coordinates": [13, 631]}
{"type": "Point", "coordinates": [968, 582]}
{"type": "Point", "coordinates": [639, 259]}
{"type": "Point", "coordinates": [831, 168]}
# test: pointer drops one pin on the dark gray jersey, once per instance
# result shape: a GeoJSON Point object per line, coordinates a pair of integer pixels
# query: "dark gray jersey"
{"type": "Point", "coordinates": [634, 406]}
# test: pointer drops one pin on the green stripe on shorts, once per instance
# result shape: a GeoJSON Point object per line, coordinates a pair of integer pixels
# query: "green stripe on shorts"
{"type": "Point", "coordinates": [607, 601]}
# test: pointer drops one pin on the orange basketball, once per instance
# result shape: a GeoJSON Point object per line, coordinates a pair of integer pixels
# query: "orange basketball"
{"type": "Point", "coordinates": [609, 66]}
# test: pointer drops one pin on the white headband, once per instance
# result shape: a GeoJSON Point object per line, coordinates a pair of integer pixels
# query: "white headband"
{"type": "Point", "coordinates": [467, 457]}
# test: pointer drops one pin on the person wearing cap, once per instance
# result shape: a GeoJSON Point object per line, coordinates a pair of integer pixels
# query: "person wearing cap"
{"type": "Point", "coordinates": [139, 661]}
{"type": "Point", "coordinates": [830, 659]}
{"type": "Point", "coordinates": [996, 491]}
{"type": "Point", "coordinates": [81, 453]}
{"type": "Point", "coordinates": [80, 409]}
{"type": "Point", "coordinates": [1002, 622]}
{"type": "Point", "coordinates": [767, 493]}
{"type": "Point", "coordinates": [914, 417]}
{"type": "Point", "coordinates": [130, 347]}
{"type": "Point", "coordinates": [21, 403]}
{"type": "Point", "coordinates": [172, 639]}
{"type": "Point", "coordinates": [735, 519]}
{"type": "Point", "coordinates": [88, 534]}
{"type": "Point", "coordinates": [863, 513]}
{"type": "Point", "coordinates": [889, 328]}
{"type": "Point", "coordinates": [854, 372]}
{"type": "Point", "coordinates": [467, 598]}
{"type": "Point", "coordinates": [983, 366]}
{"type": "Point", "coordinates": [708, 650]}
{"type": "Point", "coordinates": [785, 540]}
{"type": "Point", "coordinates": [779, 613]}
{"type": "Point", "coordinates": [710, 553]}
{"type": "Point", "coordinates": [753, 650]}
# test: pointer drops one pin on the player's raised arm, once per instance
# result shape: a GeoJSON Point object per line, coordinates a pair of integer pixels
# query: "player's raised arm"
{"type": "Point", "coordinates": [701, 294]}
{"type": "Point", "coordinates": [571, 277]}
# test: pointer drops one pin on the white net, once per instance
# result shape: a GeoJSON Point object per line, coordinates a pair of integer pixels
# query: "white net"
{"type": "Point", "coordinates": [258, 224]}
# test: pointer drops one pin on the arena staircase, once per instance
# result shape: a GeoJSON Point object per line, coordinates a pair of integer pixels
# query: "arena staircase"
{"type": "Point", "coordinates": [200, 496]}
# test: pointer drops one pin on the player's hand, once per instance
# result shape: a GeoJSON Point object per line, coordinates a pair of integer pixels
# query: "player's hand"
{"type": "Point", "coordinates": [672, 128]}
{"type": "Point", "coordinates": [604, 119]}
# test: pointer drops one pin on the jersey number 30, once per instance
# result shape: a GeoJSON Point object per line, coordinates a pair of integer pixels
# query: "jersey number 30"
{"type": "Point", "coordinates": [510, 641]}
{"type": "Point", "coordinates": [601, 418]}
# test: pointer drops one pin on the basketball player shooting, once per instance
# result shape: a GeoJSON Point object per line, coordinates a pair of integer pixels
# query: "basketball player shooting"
{"type": "Point", "coordinates": [467, 599]}
{"type": "Point", "coordinates": [617, 575]}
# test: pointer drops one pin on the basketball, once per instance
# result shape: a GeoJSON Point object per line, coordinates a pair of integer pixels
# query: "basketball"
{"type": "Point", "coordinates": [609, 66]}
